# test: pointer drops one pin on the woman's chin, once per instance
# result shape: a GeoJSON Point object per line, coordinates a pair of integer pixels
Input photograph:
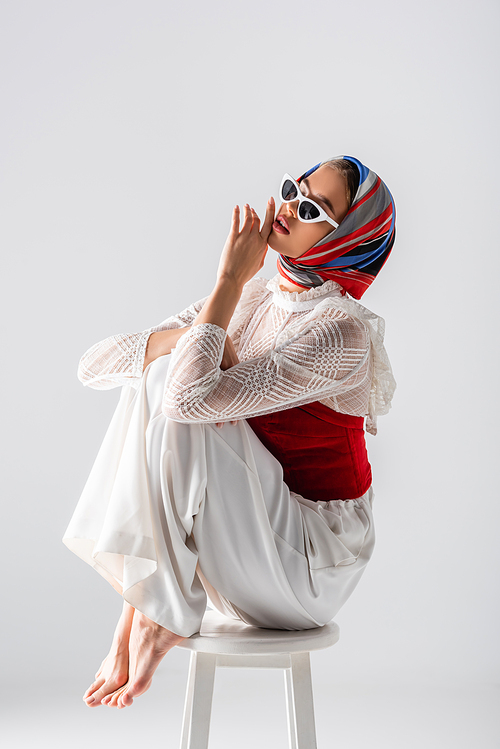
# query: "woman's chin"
{"type": "Point", "coordinates": [275, 244]}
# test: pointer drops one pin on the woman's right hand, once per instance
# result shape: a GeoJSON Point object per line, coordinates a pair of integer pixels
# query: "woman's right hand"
{"type": "Point", "coordinates": [229, 359]}
{"type": "Point", "coordinates": [244, 252]}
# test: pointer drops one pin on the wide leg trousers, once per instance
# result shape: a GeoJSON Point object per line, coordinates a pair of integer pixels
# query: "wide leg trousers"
{"type": "Point", "coordinates": [176, 514]}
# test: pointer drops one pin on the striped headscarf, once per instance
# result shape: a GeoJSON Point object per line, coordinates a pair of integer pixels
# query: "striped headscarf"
{"type": "Point", "coordinates": [353, 254]}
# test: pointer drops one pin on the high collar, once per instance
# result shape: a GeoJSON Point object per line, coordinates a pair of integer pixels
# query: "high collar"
{"type": "Point", "coordinates": [300, 301]}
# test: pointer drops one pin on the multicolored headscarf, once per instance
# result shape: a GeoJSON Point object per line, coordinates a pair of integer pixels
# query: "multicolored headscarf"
{"type": "Point", "coordinates": [353, 254]}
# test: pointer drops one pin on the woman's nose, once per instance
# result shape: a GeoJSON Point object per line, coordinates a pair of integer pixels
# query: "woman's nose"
{"type": "Point", "coordinates": [292, 207]}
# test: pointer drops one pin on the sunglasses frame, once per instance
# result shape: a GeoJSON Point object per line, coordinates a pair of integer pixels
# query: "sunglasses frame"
{"type": "Point", "coordinates": [323, 216]}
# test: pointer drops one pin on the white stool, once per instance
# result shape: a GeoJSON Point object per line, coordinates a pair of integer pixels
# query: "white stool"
{"type": "Point", "coordinates": [229, 643]}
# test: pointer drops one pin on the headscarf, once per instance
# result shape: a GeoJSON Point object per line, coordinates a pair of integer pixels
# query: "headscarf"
{"type": "Point", "coordinates": [353, 254]}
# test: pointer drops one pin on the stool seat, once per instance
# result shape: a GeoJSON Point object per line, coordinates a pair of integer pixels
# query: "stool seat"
{"type": "Point", "coordinates": [223, 642]}
{"type": "Point", "coordinates": [220, 634]}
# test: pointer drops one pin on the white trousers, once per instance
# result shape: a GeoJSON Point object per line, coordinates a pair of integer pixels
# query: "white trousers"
{"type": "Point", "coordinates": [176, 513]}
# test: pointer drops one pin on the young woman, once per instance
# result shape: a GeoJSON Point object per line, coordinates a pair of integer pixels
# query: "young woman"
{"type": "Point", "coordinates": [235, 467]}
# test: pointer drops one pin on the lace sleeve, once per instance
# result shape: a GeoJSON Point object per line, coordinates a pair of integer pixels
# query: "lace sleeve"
{"type": "Point", "coordinates": [119, 359]}
{"type": "Point", "coordinates": [328, 358]}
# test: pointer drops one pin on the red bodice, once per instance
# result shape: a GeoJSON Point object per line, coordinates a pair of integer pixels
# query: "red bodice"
{"type": "Point", "coordinates": [323, 452]}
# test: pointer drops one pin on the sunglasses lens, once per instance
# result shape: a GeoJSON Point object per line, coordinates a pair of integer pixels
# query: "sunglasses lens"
{"type": "Point", "coordinates": [288, 191]}
{"type": "Point", "coordinates": [308, 211]}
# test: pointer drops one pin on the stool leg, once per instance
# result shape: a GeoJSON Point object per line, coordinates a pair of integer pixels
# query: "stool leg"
{"type": "Point", "coordinates": [198, 704]}
{"type": "Point", "coordinates": [299, 702]}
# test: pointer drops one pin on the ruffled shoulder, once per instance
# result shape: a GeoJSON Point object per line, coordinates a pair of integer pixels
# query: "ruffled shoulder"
{"type": "Point", "coordinates": [383, 383]}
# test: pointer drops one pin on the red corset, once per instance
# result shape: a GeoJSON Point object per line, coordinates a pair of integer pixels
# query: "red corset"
{"type": "Point", "coordinates": [323, 452]}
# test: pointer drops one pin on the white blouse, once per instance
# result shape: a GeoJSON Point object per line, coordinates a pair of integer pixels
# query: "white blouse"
{"type": "Point", "coordinates": [294, 348]}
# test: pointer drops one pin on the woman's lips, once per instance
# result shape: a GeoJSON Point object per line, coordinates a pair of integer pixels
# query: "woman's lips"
{"type": "Point", "coordinates": [279, 228]}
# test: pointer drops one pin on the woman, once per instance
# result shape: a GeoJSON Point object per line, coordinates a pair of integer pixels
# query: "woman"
{"type": "Point", "coordinates": [234, 467]}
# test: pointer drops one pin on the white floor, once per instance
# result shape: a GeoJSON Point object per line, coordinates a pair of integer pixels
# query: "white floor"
{"type": "Point", "coordinates": [249, 710]}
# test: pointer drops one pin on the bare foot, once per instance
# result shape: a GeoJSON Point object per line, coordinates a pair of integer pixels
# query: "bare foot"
{"type": "Point", "coordinates": [113, 672]}
{"type": "Point", "coordinates": [148, 644]}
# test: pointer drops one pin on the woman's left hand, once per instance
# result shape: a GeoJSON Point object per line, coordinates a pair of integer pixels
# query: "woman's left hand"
{"type": "Point", "coordinates": [245, 251]}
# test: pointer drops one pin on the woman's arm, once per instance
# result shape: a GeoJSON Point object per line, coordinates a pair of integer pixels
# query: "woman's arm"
{"type": "Point", "coordinates": [164, 341]}
{"type": "Point", "coordinates": [119, 359]}
{"type": "Point", "coordinates": [161, 343]}
{"type": "Point", "coordinates": [329, 358]}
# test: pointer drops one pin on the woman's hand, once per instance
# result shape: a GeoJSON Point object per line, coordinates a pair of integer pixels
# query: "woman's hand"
{"type": "Point", "coordinates": [243, 255]}
{"type": "Point", "coordinates": [245, 251]}
{"type": "Point", "coordinates": [229, 359]}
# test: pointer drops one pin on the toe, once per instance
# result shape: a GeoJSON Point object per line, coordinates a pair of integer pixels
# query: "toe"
{"type": "Point", "coordinates": [93, 701]}
{"type": "Point", "coordinates": [109, 687]}
{"type": "Point", "coordinates": [93, 688]}
{"type": "Point", "coordinates": [125, 699]}
{"type": "Point", "coordinates": [97, 697]}
{"type": "Point", "coordinates": [111, 700]}
{"type": "Point", "coordinates": [138, 686]}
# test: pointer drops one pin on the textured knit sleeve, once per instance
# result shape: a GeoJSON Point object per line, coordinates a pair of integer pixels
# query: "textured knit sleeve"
{"type": "Point", "coordinates": [119, 359]}
{"type": "Point", "coordinates": [328, 358]}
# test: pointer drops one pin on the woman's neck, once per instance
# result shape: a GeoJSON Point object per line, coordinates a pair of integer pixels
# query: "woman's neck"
{"type": "Point", "coordinates": [286, 285]}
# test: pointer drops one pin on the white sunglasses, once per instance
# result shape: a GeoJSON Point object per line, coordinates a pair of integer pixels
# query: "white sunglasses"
{"type": "Point", "coordinates": [308, 211]}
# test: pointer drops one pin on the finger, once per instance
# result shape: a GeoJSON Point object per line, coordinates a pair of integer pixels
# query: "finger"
{"type": "Point", "coordinates": [256, 220]}
{"type": "Point", "coordinates": [269, 220]}
{"type": "Point", "coordinates": [235, 221]}
{"type": "Point", "coordinates": [248, 220]}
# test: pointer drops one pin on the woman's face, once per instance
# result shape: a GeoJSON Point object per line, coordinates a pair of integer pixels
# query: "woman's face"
{"type": "Point", "coordinates": [327, 187]}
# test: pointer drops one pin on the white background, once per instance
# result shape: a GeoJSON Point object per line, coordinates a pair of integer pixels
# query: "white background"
{"type": "Point", "coordinates": [128, 132]}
